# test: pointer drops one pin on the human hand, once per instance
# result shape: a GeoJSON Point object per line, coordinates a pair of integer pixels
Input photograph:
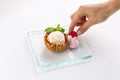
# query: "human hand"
{"type": "Point", "coordinates": [88, 15]}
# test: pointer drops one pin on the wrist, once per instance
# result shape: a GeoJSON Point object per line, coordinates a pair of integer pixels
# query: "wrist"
{"type": "Point", "coordinates": [111, 6]}
{"type": "Point", "coordinates": [115, 3]}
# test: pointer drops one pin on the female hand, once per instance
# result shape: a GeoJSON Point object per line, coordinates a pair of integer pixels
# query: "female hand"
{"type": "Point", "coordinates": [88, 15]}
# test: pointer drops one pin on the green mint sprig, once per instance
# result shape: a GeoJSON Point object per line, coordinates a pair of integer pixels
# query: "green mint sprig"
{"type": "Point", "coordinates": [49, 29]}
{"type": "Point", "coordinates": [58, 28]}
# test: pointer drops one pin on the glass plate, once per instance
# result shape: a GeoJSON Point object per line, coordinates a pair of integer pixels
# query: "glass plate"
{"type": "Point", "coordinates": [45, 59]}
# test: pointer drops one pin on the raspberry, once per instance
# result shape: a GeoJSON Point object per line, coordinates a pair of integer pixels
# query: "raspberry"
{"type": "Point", "coordinates": [74, 34]}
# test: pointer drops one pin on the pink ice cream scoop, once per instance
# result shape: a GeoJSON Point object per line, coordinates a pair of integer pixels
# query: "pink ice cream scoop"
{"type": "Point", "coordinates": [74, 42]}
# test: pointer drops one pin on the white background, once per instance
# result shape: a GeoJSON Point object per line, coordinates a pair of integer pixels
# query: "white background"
{"type": "Point", "coordinates": [17, 17]}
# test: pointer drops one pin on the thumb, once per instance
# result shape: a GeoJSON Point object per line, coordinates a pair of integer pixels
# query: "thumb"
{"type": "Point", "coordinates": [83, 28]}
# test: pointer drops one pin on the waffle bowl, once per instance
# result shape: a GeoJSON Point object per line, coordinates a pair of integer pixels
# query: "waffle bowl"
{"type": "Point", "coordinates": [54, 46]}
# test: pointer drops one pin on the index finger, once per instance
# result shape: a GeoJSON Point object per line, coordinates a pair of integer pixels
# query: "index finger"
{"type": "Point", "coordinates": [73, 23]}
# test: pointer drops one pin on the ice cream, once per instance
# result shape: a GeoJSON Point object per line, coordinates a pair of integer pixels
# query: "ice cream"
{"type": "Point", "coordinates": [74, 42]}
{"type": "Point", "coordinates": [56, 37]}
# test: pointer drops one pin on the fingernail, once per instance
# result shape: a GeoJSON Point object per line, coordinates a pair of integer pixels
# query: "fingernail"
{"type": "Point", "coordinates": [79, 33]}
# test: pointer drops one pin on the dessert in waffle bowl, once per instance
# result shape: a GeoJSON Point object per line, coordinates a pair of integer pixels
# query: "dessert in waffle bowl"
{"type": "Point", "coordinates": [55, 39]}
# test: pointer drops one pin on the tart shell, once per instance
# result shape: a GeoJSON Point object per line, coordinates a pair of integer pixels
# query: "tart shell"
{"type": "Point", "coordinates": [54, 46]}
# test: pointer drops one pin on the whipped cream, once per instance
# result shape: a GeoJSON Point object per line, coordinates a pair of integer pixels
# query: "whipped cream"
{"type": "Point", "coordinates": [56, 37]}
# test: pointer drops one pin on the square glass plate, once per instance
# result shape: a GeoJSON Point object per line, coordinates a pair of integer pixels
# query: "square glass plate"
{"type": "Point", "coordinates": [45, 59]}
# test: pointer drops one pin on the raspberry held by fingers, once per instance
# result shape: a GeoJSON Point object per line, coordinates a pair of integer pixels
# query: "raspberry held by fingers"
{"type": "Point", "coordinates": [74, 34]}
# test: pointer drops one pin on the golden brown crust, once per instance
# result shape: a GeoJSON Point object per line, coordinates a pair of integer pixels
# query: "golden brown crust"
{"type": "Point", "coordinates": [56, 47]}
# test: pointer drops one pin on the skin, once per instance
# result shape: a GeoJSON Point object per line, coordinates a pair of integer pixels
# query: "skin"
{"type": "Point", "coordinates": [88, 15]}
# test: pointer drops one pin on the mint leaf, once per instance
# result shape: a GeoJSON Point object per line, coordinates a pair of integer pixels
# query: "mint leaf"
{"type": "Point", "coordinates": [59, 28]}
{"type": "Point", "coordinates": [49, 29]}
{"type": "Point", "coordinates": [62, 30]}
